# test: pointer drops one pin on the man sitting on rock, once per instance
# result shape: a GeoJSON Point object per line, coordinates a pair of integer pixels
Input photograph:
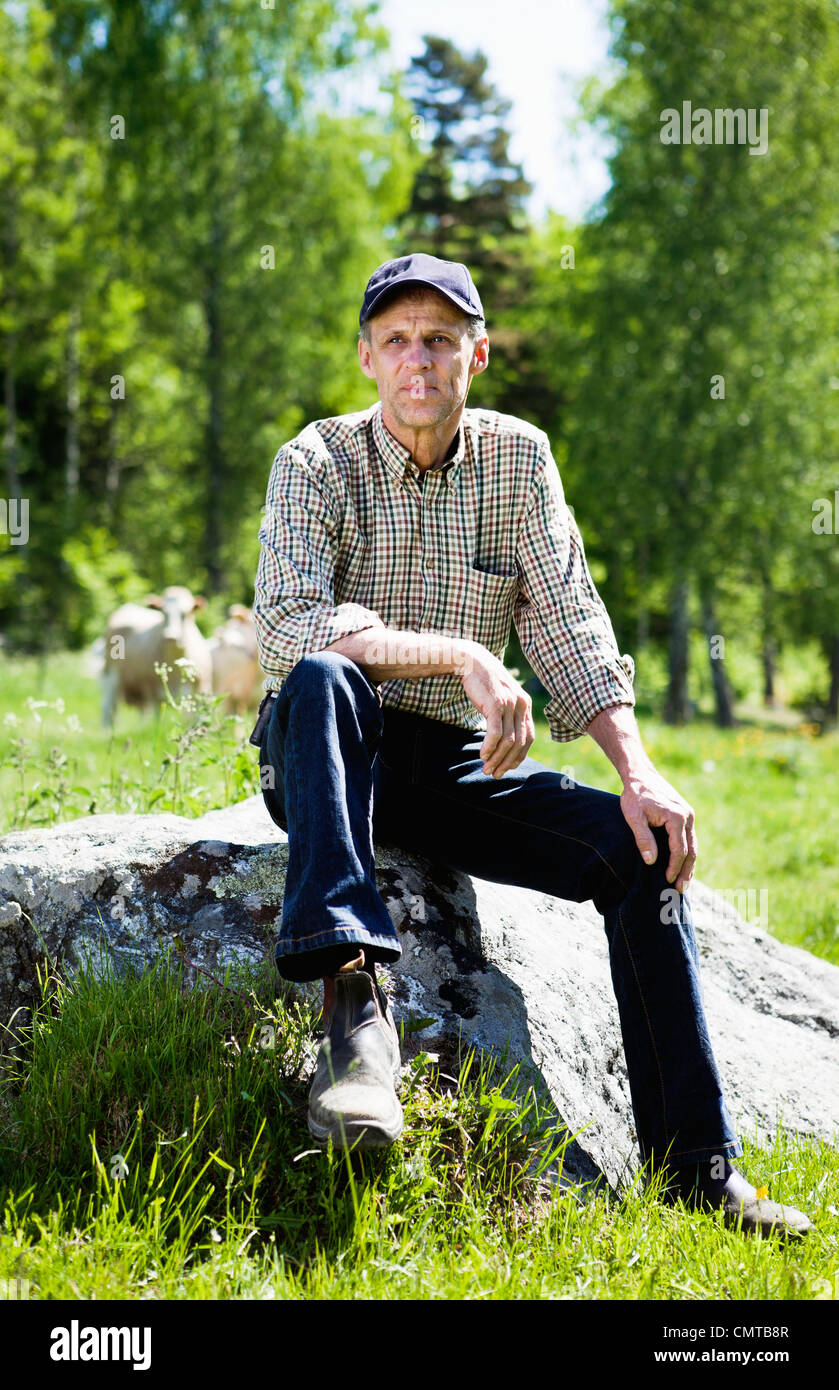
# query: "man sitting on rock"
{"type": "Point", "coordinates": [397, 546]}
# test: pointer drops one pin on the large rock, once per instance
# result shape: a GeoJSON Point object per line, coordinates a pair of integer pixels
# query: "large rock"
{"type": "Point", "coordinates": [497, 965]}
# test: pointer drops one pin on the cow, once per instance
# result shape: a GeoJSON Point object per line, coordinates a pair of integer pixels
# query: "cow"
{"type": "Point", "coordinates": [140, 636]}
{"type": "Point", "coordinates": [235, 661]}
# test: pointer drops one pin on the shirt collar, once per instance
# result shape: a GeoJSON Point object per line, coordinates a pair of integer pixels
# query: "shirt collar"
{"type": "Point", "coordinates": [397, 457]}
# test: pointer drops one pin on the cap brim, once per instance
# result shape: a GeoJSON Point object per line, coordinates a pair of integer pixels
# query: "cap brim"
{"type": "Point", "coordinates": [417, 284]}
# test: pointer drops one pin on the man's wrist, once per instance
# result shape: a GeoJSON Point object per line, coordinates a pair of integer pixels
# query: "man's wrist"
{"type": "Point", "coordinates": [617, 733]}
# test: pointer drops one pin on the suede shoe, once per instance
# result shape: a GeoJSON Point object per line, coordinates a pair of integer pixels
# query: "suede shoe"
{"type": "Point", "coordinates": [700, 1187]}
{"type": "Point", "coordinates": [353, 1098]}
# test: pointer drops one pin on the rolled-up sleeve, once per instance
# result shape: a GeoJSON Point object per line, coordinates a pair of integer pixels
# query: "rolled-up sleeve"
{"type": "Point", "coordinates": [565, 632]}
{"type": "Point", "coordinates": [294, 609]}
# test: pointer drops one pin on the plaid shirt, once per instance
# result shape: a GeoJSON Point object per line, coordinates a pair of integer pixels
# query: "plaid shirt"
{"type": "Point", "coordinates": [354, 537]}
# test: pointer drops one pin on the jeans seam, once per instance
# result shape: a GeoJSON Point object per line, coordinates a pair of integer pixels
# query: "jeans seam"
{"type": "Point", "coordinates": [488, 811]}
{"type": "Point", "coordinates": [326, 932]}
{"type": "Point", "coordinates": [700, 1148]}
{"type": "Point", "coordinates": [649, 1021]}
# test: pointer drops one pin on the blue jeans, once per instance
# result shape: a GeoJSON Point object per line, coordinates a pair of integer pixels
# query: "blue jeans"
{"type": "Point", "coordinates": [343, 766]}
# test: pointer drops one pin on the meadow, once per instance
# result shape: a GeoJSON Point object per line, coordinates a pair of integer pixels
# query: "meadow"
{"type": "Point", "coordinates": [153, 1139]}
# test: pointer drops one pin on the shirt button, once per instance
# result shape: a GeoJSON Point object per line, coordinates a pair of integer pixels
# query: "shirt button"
{"type": "Point", "coordinates": [429, 564]}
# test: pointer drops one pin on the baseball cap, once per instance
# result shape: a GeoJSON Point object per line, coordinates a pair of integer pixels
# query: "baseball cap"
{"type": "Point", "coordinates": [451, 278]}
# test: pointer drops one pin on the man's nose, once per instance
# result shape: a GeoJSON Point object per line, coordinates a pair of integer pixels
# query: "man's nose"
{"type": "Point", "coordinates": [418, 355]}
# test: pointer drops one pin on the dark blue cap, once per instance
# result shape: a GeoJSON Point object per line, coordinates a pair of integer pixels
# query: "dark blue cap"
{"type": "Point", "coordinates": [451, 278]}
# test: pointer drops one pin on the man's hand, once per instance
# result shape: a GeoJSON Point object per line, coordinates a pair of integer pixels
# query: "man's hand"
{"type": "Point", "coordinates": [507, 708]}
{"type": "Point", "coordinates": [648, 799]}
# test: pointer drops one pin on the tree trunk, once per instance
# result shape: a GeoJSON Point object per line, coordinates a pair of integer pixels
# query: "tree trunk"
{"type": "Point", "coordinates": [769, 647]}
{"type": "Point", "coordinates": [114, 466]}
{"type": "Point", "coordinates": [833, 698]}
{"type": "Point", "coordinates": [11, 453]}
{"type": "Point", "coordinates": [677, 708]}
{"type": "Point", "coordinates": [769, 657]}
{"type": "Point", "coordinates": [10, 444]}
{"type": "Point", "coordinates": [71, 475]}
{"type": "Point", "coordinates": [723, 699]}
{"type": "Point", "coordinates": [642, 628]}
{"type": "Point", "coordinates": [213, 445]}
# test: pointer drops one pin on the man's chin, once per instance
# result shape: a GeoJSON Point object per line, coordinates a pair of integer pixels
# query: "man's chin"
{"type": "Point", "coordinates": [416, 413]}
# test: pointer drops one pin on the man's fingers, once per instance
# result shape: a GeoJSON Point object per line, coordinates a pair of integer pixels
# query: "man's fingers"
{"type": "Point", "coordinates": [636, 818]}
{"type": "Point", "coordinates": [505, 742]}
{"type": "Point", "coordinates": [686, 874]}
{"type": "Point", "coordinates": [643, 811]}
{"type": "Point", "coordinates": [519, 733]}
{"type": "Point", "coordinates": [677, 839]}
{"type": "Point", "coordinates": [495, 728]}
{"type": "Point", "coordinates": [523, 734]}
{"type": "Point", "coordinates": [687, 869]}
{"type": "Point", "coordinates": [644, 839]}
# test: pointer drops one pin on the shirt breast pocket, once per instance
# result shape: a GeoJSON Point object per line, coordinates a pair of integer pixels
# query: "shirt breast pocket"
{"type": "Point", "coordinates": [490, 599]}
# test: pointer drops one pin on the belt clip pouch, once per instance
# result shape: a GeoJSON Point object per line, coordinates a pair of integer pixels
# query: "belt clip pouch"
{"type": "Point", "coordinates": [266, 709]}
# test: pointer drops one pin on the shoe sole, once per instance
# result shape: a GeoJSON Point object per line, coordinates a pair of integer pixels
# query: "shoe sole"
{"type": "Point", "coordinates": [751, 1227]}
{"type": "Point", "coordinates": [735, 1219]}
{"type": "Point", "coordinates": [355, 1134]}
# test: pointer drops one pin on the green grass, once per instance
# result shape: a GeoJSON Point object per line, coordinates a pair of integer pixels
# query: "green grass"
{"type": "Point", "coordinates": [153, 1145]}
{"type": "Point", "coordinates": [197, 1098]}
{"type": "Point", "coordinates": [57, 761]}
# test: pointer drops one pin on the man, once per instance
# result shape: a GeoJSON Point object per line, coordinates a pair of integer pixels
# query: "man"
{"type": "Point", "coordinates": [397, 545]}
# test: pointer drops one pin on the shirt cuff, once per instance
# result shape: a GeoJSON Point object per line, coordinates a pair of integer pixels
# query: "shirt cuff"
{"type": "Point", "coordinates": [328, 625]}
{"type": "Point", "coordinates": [567, 720]}
{"type": "Point", "coordinates": [281, 647]}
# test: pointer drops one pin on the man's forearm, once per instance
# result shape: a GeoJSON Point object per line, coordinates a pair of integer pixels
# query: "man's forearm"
{"type": "Point", "coordinates": [617, 733]}
{"type": "Point", "coordinates": [386, 654]}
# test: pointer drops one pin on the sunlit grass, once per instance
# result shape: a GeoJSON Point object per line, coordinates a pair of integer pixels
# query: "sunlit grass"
{"type": "Point", "coordinates": [58, 761]}
{"type": "Point", "coordinates": [153, 1144]}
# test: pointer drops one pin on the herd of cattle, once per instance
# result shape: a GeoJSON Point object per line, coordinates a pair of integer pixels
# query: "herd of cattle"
{"type": "Point", "coordinates": [163, 630]}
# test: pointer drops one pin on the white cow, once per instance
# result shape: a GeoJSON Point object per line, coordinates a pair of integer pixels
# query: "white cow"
{"type": "Point", "coordinates": [235, 660]}
{"type": "Point", "coordinates": [140, 636]}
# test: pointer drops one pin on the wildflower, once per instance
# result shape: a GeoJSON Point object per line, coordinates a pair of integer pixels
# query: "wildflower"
{"type": "Point", "coordinates": [34, 706]}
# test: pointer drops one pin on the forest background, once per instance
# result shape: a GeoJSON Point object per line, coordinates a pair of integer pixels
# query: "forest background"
{"type": "Point", "coordinates": [191, 203]}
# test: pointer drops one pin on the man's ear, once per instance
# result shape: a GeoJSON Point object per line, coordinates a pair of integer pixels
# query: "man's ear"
{"type": "Point", "coordinates": [366, 359]}
{"type": "Point", "coordinates": [480, 356]}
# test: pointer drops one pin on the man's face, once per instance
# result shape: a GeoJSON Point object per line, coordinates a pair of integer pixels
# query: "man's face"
{"type": "Point", "coordinates": [421, 358]}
